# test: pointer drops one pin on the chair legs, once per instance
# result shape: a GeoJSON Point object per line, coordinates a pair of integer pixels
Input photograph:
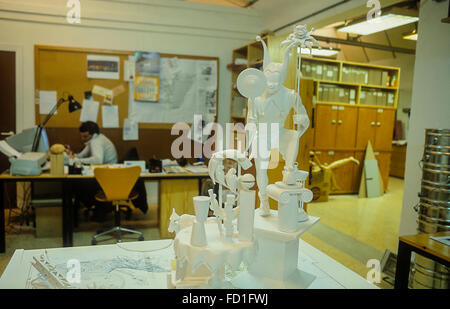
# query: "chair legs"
{"type": "Point", "coordinates": [117, 229]}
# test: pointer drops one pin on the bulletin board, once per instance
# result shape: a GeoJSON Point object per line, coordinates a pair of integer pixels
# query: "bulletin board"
{"type": "Point", "coordinates": [63, 69]}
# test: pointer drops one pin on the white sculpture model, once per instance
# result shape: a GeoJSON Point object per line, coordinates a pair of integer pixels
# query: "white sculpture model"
{"type": "Point", "coordinates": [203, 247]}
{"type": "Point", "coordinates": [267, 243]}
{"type": "Point", "coordinates": [277, 232]}
{"type": "Point", "coordinates": [270, 103]}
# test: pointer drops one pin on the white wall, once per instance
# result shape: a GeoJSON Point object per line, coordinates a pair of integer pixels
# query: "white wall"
{"type": "Point", "coordinates": [430, 106]}
{"type": "Point", "coordinates": [166, 26]}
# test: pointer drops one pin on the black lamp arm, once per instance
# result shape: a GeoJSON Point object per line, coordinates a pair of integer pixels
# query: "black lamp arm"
{"type": "Point", "coordinates": [37, 136]}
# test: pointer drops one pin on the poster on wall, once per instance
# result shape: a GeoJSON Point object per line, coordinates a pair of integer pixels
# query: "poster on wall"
{"type": "Point", "coordinates": [187, 87]}
{"type": "Point", "coordinates": [146, 79]}
{"type": "Point", "coordinates": [103, 67]}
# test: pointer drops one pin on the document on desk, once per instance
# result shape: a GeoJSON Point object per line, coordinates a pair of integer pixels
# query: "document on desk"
{"type": "Point", "coordinates": [47, 100]}
{"type": "Point", "coordinates": [443, 239]}
{"type": "Point", "coordinates": [197, 169]}
{"type": "Point", "coordinates": [89, 112]}
{"type": "Point", "coordinates": [110, 116]}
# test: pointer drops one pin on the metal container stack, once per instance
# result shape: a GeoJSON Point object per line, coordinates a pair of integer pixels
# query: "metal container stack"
{"type": "Point", "coordinates": [434, 206]}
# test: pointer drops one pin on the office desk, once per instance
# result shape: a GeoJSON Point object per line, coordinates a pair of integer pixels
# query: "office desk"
{"type": "Point", "coordinates": [169, 184]}
{"type": "Point", "coordinates": [423, 245]}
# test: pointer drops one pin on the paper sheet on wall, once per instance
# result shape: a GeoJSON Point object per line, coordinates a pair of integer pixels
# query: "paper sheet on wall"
{"type": "Point", "coordinates": [130, 130]}
{"type": "Point", "coordinates": [103, 67]}
{"type": "Point", "coordinates": [110, 116]}
{"type": "Point", "coordinates": [89, 112]}
{"type": "Point", "coordinates": [47, 100]}
{"type": "Point", "coordinates": [187, 87]}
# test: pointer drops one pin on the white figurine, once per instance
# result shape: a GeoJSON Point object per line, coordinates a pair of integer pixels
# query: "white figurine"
{"type": "Point", "coordinates": [246, 205]}
{"type": "Point", "coordinates": [201, 206]}
{"type": "Point", "coordinates": [272, 107]}
{"type": "Point", "coordinates": [229, 217]}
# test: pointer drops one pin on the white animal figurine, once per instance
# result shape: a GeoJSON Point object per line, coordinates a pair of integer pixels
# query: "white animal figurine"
{"type": "Point", "coordinates": [177, 223]}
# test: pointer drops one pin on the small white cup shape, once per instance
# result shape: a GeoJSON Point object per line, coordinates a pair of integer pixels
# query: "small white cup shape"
{"type": "Point", "coordinates": [201, 206]}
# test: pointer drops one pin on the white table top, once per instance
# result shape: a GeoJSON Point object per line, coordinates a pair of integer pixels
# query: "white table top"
{"type": "Point", "coordinates": [146, 265]}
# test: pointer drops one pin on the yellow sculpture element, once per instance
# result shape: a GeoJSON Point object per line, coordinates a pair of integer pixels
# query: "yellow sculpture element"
{"type": "Point", "coordinates": [322, 178]}
{"type": "Point", "coordinates": [57, 149]}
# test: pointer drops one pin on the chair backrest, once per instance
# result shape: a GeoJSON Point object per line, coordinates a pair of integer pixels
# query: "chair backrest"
{"type": "Point", "coordinates": [117, 183]}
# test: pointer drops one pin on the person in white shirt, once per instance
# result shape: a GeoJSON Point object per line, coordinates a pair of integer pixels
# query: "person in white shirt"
{"type": "Point", "coordinates": [99, 149]}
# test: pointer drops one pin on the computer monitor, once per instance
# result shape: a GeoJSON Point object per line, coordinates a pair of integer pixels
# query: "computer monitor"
{"type": "Point", "coordinates": [23, 142]}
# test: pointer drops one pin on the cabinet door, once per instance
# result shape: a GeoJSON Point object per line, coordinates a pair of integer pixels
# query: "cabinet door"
{"type": "Point", "coordinates": [346, 127]}
{"type": "Point", "coordinates": [367, 118]}
{"type": "Point", "coordinates": [325, 126]}
{"type": "Point", "coordinates": [384, 129]}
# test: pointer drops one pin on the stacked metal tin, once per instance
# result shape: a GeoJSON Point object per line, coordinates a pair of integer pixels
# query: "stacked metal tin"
{"type": "Point", "coordinates": [434, 206]}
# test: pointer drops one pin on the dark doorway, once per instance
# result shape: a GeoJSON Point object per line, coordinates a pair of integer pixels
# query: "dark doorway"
{"type": "Point", "coordinates": [7, 115]}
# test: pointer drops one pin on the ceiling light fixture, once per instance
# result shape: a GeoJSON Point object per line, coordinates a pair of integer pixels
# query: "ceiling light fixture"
{"type": "Point", "coordinates": [378, 24]}
{"type": "Point", "coordinates": [324, 52]}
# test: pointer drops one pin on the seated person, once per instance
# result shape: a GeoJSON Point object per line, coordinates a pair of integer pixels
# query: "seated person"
{"type": "Point", "coordinates": [99, 149]}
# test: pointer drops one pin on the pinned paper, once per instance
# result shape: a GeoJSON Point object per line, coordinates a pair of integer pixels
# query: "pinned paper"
{"type": "Point", "coordinates": [101, 91]}
{"type": "Point", "coordinates": [89, 112]}
{"type": "Point", "coordinates": [118, 90]}
{"type": "Point", "coordinates": [110, 115]}
{"type": "Point", "coordinates": [47, 100]}
{"type": "Point", "coordinates": [130, 130]}
{"type": "Point", "coordinates": [103, 67]}
{"type": "Point", "coordinates": [129, 69]}
{"type": "Point", "coordinates": [108, 99]}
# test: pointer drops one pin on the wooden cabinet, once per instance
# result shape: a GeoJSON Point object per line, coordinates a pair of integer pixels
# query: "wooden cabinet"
{"type": "Point", "coordinates": [377, 126]}
{"type": "Point", "coordinates": [335, 126]}
{"type": "Point", "coordinates": [398, 159]}
{"type": "Point", "coordinates": [367, 118]}
{"type": "Point", "coordinates": [384, 129]}
{"type": "Point", "coordinates": [325, 126]}
{"type": "Point", "coordinates": [384, 163]}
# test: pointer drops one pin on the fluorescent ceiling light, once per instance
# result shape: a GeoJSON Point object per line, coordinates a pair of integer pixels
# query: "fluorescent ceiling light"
{"type": "Point", "coordinates": [378, 24]}
{"type": "Point", "coordinates": [324, 52]}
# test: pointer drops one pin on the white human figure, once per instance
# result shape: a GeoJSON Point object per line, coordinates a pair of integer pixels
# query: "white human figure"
{"type": "Point", "coordinates": [272, 107]}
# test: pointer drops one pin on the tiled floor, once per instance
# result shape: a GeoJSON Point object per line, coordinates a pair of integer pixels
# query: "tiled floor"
{"type": "Point", "coordinates": [351, 230]}
{"type": "Point", "coordinates": [354, 230]}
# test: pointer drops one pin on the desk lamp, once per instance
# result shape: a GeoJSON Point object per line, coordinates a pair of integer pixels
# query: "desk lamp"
{"type": "Point", "coordinates": [74, 105]}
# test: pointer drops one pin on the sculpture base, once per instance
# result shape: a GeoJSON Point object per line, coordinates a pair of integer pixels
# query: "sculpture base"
{"type": "Point", "coordinates": [297, 280]}
{"type": "Point", "coordinates": [204, 267]}
{"type": "Point", "coordinates": [276, 263]}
